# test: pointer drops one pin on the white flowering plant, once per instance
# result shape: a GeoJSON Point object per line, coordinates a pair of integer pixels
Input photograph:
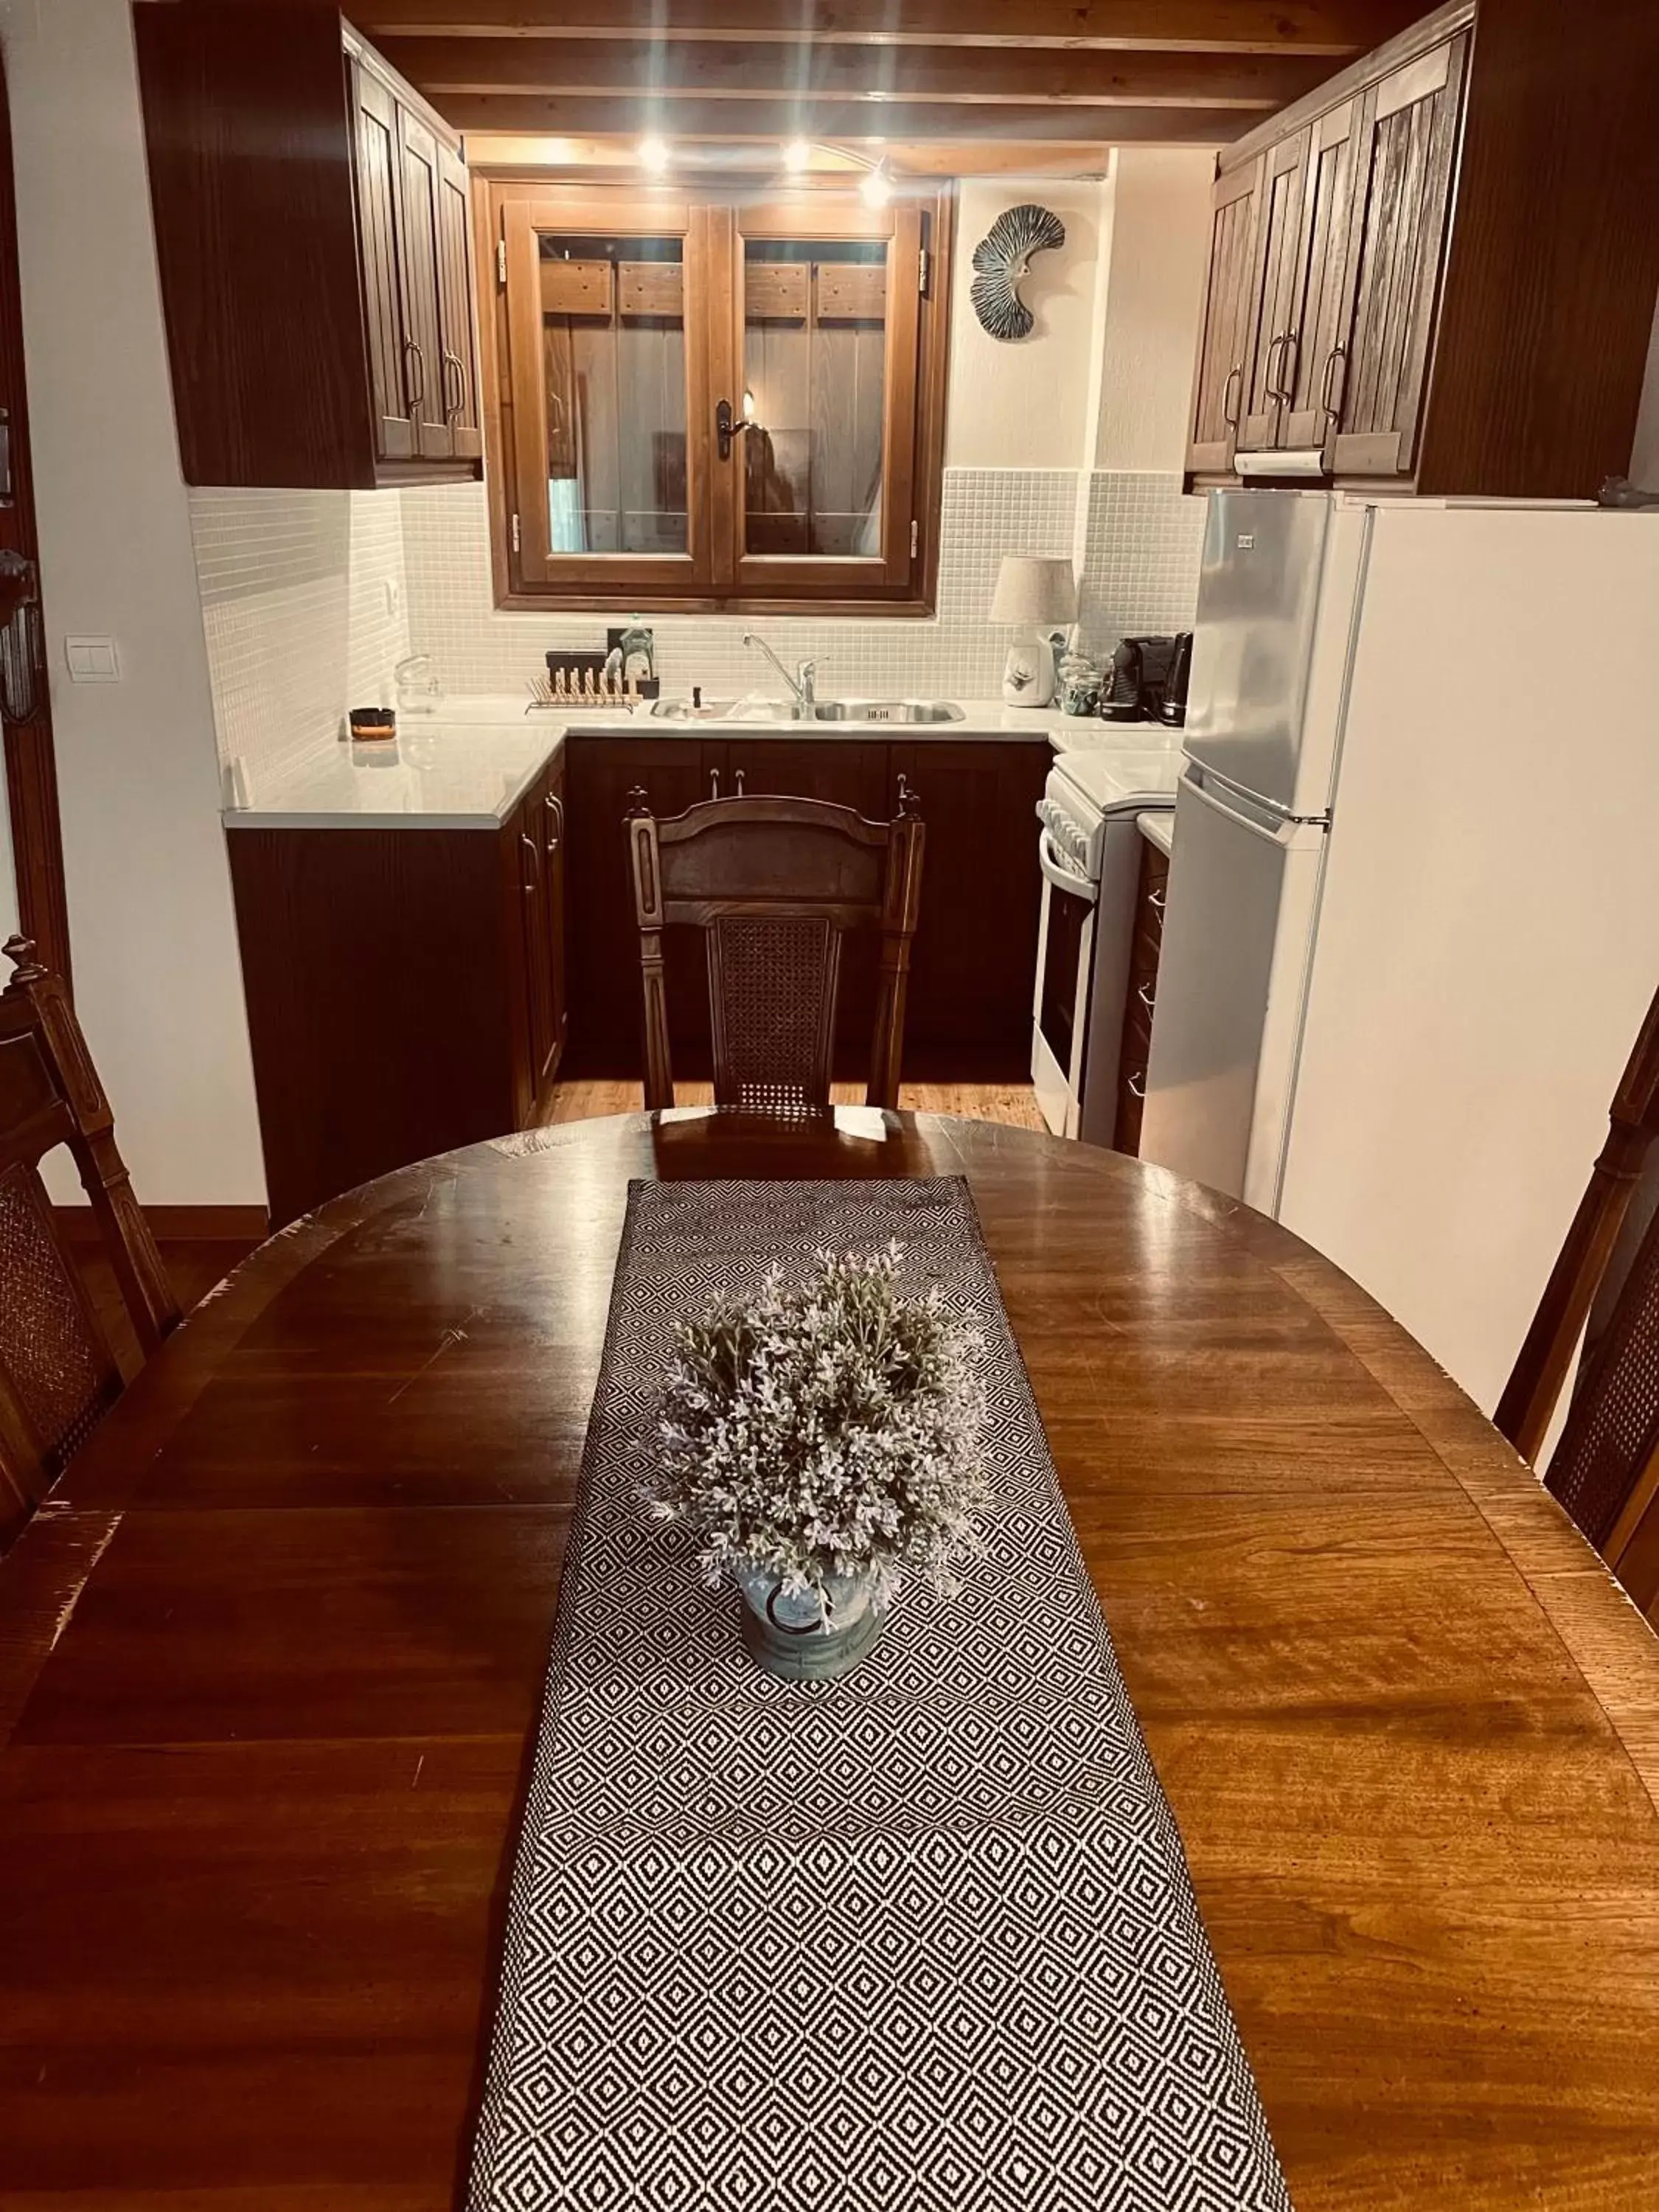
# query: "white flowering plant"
{"type": "Point", "coordinates": [824, 1429]}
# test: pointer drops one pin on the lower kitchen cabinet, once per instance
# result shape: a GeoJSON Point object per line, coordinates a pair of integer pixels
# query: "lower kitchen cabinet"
{"type": "Point", "coordinates": [974, 965]}
{"type": "Point", "coordinates": [1144, 948]}
{"type": "Point", "coordinates": [968, 1017]}
{"type": "Point", "coordinates": [405, 988]}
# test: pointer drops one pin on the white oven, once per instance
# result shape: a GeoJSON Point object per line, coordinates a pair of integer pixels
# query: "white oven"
{"type": "Point", "coordinates": [1089, 850]}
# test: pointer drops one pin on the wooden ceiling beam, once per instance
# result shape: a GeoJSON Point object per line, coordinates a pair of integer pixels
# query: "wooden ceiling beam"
{"type": "Point", "coordinates": [1333, 28]}
{"type": "Point", "coordinates": [733, 69]}
{"type": "Point", "coordinates": [854, 122]}
{"type": "Point", "coordinates": [512, 153]}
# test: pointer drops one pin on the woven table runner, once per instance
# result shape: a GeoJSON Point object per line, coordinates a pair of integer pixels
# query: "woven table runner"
{"type": "Point", "coordinates": [918, 1939]}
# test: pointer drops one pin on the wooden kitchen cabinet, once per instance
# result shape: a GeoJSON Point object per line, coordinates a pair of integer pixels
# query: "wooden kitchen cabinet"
{"type": "Point", "coordinates": [1225, 333]}
{"type": "Point", "coordinates": [1405, 144]}
{"type": "Point", "coordinates": [404, 988]}
{"type": "Point", "coordinates": [313, 238]}
{"type": "Point", "coordinates": [1451, 264]}
{"type": "Point", "coordinates": [973, 967]}
{"type": "Point", "coordinates": [1278, 276]}
{"type": "Point", "coordinates": [973, 960]}
{"type": "Point", "coordinates": [1145, 948]}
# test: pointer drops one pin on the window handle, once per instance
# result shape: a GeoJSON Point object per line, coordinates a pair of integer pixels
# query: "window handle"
{"type": "Point", "coordinates": [728, 426]}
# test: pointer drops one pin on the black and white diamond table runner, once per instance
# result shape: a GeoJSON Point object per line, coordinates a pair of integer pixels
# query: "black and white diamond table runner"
{"type": "Point", "coordinates": [921, 1940]}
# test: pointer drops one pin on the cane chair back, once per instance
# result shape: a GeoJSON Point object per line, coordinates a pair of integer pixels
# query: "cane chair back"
{"type": "Point", "coordinates": [58, 1374]}
{"type": "Point", "coordinates": [1605, 1470]}
{"type": "Point", "coordinates": [775, 885]}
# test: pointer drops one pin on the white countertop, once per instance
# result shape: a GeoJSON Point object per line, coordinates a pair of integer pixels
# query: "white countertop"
{"type": "Point", "coordinates": [468, 767]}
{"type": "Point", "coordinates": [1158, 827]}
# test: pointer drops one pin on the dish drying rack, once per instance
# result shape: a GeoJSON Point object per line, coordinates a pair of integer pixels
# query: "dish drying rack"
{"type": "Point", "coordinates": [586, 689]}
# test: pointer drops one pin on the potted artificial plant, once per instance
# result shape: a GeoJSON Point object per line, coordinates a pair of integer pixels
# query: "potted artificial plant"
{"type": "Point", "coordinates": [818, 1439]}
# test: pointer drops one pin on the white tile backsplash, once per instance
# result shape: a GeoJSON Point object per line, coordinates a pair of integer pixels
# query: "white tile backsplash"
{"type": "Point", "coordinates": [986, 512]}
{"type": "Point", "coordinates": [309, 598]}
{"type": "Point", "coordinates": [299, 621]}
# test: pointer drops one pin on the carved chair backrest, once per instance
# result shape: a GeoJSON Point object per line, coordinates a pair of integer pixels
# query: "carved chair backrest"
{"type": "Point", "coordinates": [775, 885]}
{"type": "Point", "coordinates": [1605, 1470]}
{"type": "Point", "coordinates": [58, 1374]}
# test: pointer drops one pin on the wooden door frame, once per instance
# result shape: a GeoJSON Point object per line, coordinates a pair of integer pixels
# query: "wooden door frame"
{"type": "Point", "coordinates": [37, 838]}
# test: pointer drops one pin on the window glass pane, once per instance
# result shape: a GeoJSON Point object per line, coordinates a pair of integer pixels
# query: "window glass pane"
{"type": "Point", "coordinates": [815, 361]}
{"type": "Point", "coordinates": [613, 343]}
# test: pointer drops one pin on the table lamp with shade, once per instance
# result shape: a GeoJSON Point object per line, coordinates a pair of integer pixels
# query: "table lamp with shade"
{"type": "Point", "coordinates": [1038, 592]}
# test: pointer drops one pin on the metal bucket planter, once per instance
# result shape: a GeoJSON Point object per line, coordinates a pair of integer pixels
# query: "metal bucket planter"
{"type": "Point", "coordinates": [802, 1638]}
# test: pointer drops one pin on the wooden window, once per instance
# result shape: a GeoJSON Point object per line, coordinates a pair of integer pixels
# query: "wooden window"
{"type": "Point", "coordinates": [705, 403]}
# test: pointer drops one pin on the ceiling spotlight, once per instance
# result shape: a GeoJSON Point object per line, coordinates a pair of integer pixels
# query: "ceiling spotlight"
{"type": "Point", "coordinates": [875, 188]}
{"type": "Point", "coordinates": [797, 156]}
{"type": "Point", "coordinates": [654, 156]}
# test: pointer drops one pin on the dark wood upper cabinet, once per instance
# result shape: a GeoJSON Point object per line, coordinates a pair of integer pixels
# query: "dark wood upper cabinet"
{"type": "Point", "coordinates": [1452, 262]}
{"type": "Point", "coordinates": [710, 399]}
{"type": "Point", "coordinates": [375, 115]}
{"type": "Point", "coordinates": [1224, 334]}
{"type": "Point", "coordinates": [1278, 277]}
{"type": "Point", "coordinates": [1317, 332]}
{"type": "Point", "coordinates": [312, 236]}
{"type": "Point", "coordinates": [1407, 140]}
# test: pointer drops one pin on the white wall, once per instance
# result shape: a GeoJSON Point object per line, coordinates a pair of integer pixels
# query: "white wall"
{"type": "Point", "coordinates": [157, 981]}
{"type": "Point", "coordinates": [1021, 404]}
{"type": "Point", "coordinates": [1153, 299]}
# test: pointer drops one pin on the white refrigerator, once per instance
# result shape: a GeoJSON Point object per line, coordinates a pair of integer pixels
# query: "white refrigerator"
{"type": "Point", "coordinates": [1413, 917]}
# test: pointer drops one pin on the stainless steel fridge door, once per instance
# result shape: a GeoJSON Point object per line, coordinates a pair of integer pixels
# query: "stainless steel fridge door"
{"type": "Point", "coordinates": [1253, 643]}
{"type": "Point", "coordinates": [1239, 925]}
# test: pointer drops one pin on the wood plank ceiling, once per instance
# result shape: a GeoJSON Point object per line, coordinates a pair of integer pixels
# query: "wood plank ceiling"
{"type": "Point", "coordinates": [935, 85]}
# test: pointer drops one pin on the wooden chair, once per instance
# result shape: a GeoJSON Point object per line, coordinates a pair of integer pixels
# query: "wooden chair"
{"type": "Point", "coordinates": [1605, 1470]}
{"type": "Point", "coordinates": [58, 1374]}
{"type": "Point", "coordinates": [775, 884]}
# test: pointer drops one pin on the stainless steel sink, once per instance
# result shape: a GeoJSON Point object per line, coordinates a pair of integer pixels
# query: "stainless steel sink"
{"type": "Point", "coordinates": [886, 710]}
{"type": "Point", "coordinates": [911, 711]}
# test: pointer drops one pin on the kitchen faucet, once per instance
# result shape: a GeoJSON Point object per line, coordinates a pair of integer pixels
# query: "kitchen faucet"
{"type": "Point", "coordinates": [804, 680]}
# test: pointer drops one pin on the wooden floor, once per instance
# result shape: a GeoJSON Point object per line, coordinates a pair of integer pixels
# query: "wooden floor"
{"type": "Point", "coordinates": [1014, 1104]}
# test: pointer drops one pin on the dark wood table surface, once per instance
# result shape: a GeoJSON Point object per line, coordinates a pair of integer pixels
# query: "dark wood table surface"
{"type": "Point", "coordinates": [270, 1665]}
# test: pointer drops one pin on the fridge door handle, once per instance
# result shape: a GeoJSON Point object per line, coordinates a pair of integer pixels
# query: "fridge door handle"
{"type": "Point", "coordinates": [1278, 832]}
{"type": "Point", "coordinates": [1056, 871]}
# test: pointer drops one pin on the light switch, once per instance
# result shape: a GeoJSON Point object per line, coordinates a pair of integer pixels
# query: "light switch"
{"type": "Point", "coordinates": [93, 660]}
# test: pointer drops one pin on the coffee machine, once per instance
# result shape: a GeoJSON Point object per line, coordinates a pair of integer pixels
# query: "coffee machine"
{"type": "Point", "coordinates": [1135, 685]}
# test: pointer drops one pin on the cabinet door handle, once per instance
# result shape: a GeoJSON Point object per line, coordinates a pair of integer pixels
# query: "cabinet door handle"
{"type": "Point", "coordinates": [1270, 380]}
{"type": "Point", "coordinates": [1135, 1089]}
{"type": "Point", "coordinates": [455, 406]}
{"type": "Point", "coordinates": [555, 834]}
{"type": "Point", "coordinates": [529, 844]}
{"type": "Point", "coordinates": [1329, 406]}
{"type": "Point", "coordinates": [1235, 383]}
{"type": "Point", "coordinates": [906, 796]}
{"type": "Point", "coordinates": [1288, 366]}
{"type": "Point", "coordinates": [1155, 899]}
{"type": "Point", "coordinates": [739, 783]}
{"type": "Point", "coordinates": [416, 399]}
{"type": "Point", "coordinates": [713, 783]}
{"type": "Point", "coordinates": [1148, 996]}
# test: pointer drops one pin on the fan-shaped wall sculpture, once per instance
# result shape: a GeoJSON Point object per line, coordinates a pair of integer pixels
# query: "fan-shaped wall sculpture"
{"type": "Point", "coordinates": [1001, 259]}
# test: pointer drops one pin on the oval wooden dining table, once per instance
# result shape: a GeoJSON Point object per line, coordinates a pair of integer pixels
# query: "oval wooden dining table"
{"type": "Point", "coordinates": [270, 1661]}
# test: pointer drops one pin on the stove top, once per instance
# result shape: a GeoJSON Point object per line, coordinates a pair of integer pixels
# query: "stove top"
{"type": "Point", "coordinates": [1109, 778]}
